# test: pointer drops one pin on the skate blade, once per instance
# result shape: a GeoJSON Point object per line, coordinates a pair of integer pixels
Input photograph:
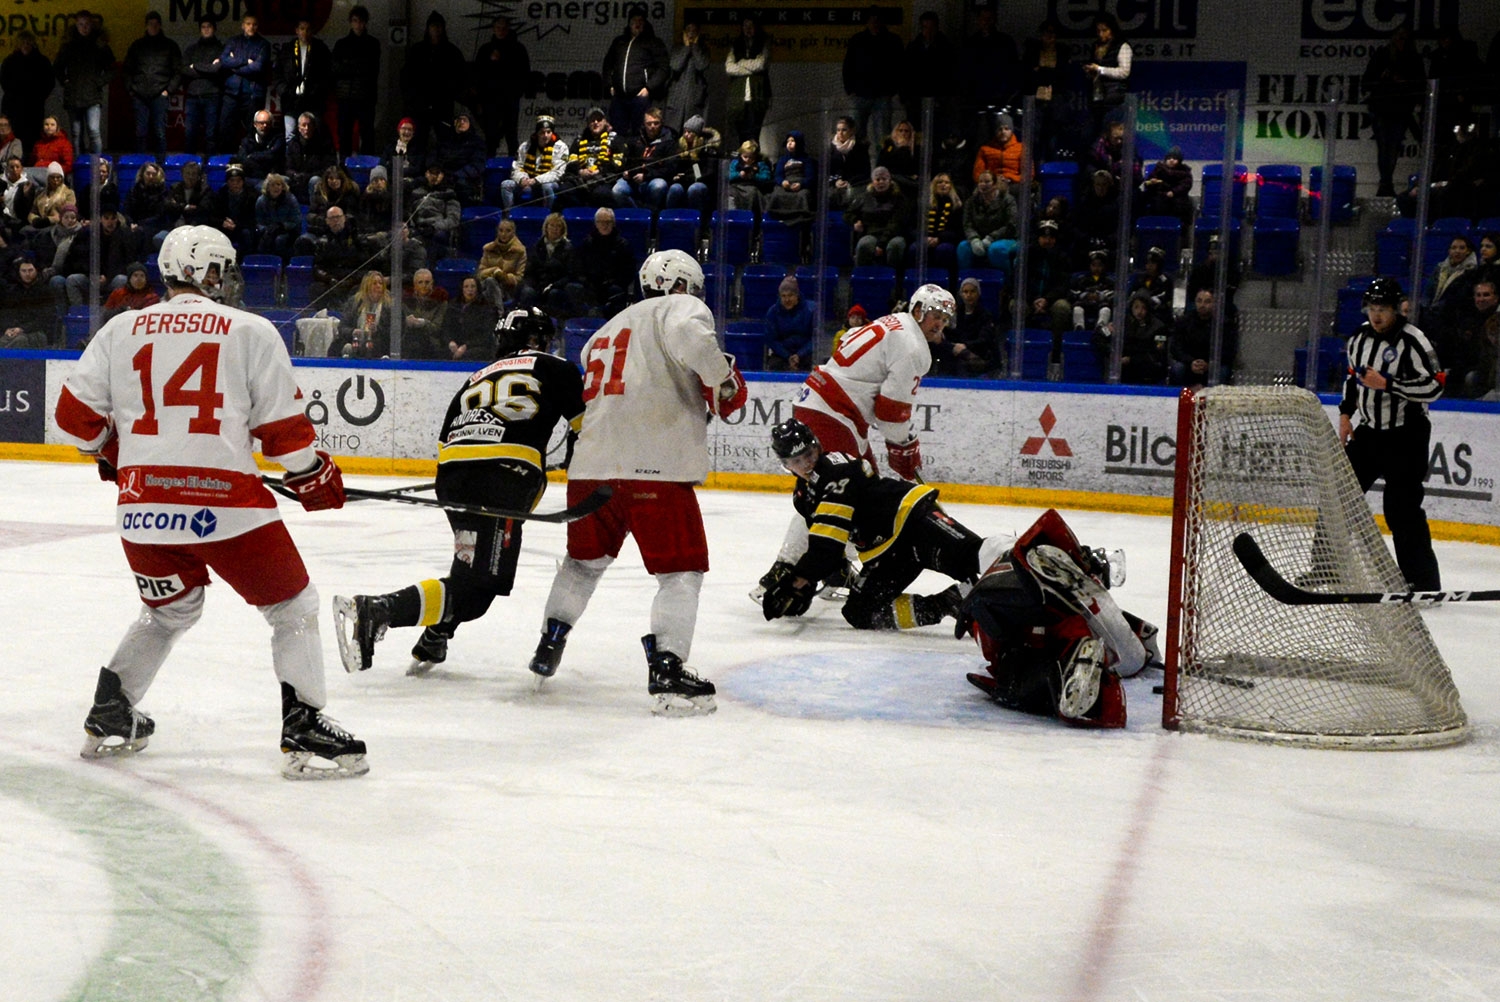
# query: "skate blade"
{"type": "Point", "coordinates": [418, 667]}
{"type": "Point", "coordinates": [344, 617]}
{"type": "Point", "coordinates": [757, 595]}
{"type": "Point", "coordinates": [97, 747]}
{"type": "Point", "coordinates": [309, 765]}
{"type": "Point", "coordinates": [671, 705]}
{"type": "Point", "coordinates": [834, 593]}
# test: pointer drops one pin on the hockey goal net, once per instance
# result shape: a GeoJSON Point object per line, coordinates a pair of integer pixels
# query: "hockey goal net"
{"type": "Point", "coordinates": [1267, 461]}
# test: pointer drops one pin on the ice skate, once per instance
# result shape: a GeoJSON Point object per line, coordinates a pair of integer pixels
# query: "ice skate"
{"type": "Point", "coordinates": [1061, 577]}
{"type": "Point", "coordinates": [836, 587]}
{"type": "Point", "coordinates": [430, 649]}
{"type": "Point", "coordinates": [113, 727]}
{"type": "Point", "coordinates": [549, 650]}
{"type": "Point", "coordinates": [779, 570]}
{"type": "Point", "coordinates": [315, 746]}
{"type": "Point", "coordinates": [678, 692]}
{"type": "Point", "coordinates": [1081, 674]}
{"type": "Point", "coordinates": [360, 623]}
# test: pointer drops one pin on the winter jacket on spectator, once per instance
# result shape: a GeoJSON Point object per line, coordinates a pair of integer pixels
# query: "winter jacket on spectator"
{"type": "Point", "coordinates": [548, 265]}
{"type": "Point", "coordinates": [471, 326]}
{"type": "Point", "coordinates": [993, 218]}
{"type": "Point", "coordinates": [302, 87]}
{"type": "Point", "coordinates": [84, 67]}
{"type": "Point", "coordinates": [27, 79]}
{"type": "Point", "coordinates": [246, 63]}
{"type": "Point", "coordinates": [153, 64]}
{"type": "Point", "coordinates": [884, 214]}
{"type": "Point", "coordinates": [603, 264]}
{"type": "Point", "coordinates": [791, 332]}
{"type": "Point", "coordinates": [49, 202]}
{"type": "Point", "coordinates": [1000, 160]}
{"type": "Point", "coordinates": [146, 205]}
{"type": "Point", "coordinates": [56, 149]}
{"type": "Point", "coordinates": [355, 67]}
{"type": "Point", "coordinates": [202, 78]}
{"type": "Point", "coordinates": [687, 86]}
{"type": "Point", "coordinates": [872, 64]}
{"type": "Point", "coordinates": [636, 61]}
{"type": "Point", "coordinates": [505, 263]}
{"type": "Point", "coordinates": [461, 153]}
{"type": "Point", "coordinates": [117, 249]}
{"type": "Point", "coordinates": [308, 157]}
{"type": "Point", "coordinates": [263, 153]}
{"type": "Point", "coordinates": [189, 203]}
{"type": "Point", "coordinates": [437, 212]}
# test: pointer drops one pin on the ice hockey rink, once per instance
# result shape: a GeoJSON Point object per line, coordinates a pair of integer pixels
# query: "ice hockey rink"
{"type": "Point", "coordinates": [855, 823]}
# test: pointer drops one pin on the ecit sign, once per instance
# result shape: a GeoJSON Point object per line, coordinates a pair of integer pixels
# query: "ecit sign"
{"type": "Point", "coordinates": [1138, 18]}
{"type": "Point", "coordinates": [1375, 18]}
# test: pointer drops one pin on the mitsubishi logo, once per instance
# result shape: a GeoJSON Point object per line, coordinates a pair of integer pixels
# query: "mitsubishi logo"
{"type": "Point", "coordinates": [1033, 445]}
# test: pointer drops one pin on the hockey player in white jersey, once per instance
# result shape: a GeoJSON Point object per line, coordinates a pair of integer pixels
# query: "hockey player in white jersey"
{"type": "Point", "coordinates": [170, 400]}
{"type": "Point", "coordinates": [649, 373]}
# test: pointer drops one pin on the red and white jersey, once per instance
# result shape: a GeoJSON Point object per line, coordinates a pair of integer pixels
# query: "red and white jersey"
{"type": "Point", "coordinates": [643, 379]}
{"type": "Point", "coordinates": [188, 386]}
{"type": "Point", "coordinates": [873, 378]}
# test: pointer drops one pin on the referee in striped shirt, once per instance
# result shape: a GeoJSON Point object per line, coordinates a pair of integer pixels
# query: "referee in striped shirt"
{"type": "Point", "coordinates": [1393, 376]}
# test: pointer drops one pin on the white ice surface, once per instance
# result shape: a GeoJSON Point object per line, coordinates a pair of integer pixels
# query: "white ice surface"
{"type": "Point", "coordinates": [855, 823]}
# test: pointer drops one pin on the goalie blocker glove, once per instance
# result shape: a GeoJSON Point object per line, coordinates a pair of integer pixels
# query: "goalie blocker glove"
{"type": "Point", "coordinates": [319, 488]}
{"type": "Point", "coordinates": [905, 458]}
{"type": "Point", "coordinates": [730, 395]}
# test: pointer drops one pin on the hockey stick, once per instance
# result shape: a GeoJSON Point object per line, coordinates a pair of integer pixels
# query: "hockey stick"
{"type": "Point", "coordinates": [1248, 552]}
{"type": "Point", "coordinates": [587, 506]}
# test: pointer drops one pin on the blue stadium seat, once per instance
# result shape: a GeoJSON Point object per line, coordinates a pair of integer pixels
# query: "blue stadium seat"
{"type": "Point", "coordinates": [174, 165]}
{"type": "Point", "coordinates": [1212, 184]}
{"type": "Point", "coordinates": [807, 281]}
{"type": "Point", "coordinates": [759, 284]}
{"type": "Point", "coordinates": [838, 245]}
{"type": "Point", "coordinates": [1081, 363]}
{"type": "Point", "coordinates": [580, 220]}
{"type": "Point", "coordinates": [285, 321]}
{"type": "Point", "coordinates": [712, 279]}
{"type": "Point", "coordinates": [1278, 191]}
{"type": "Point", "coordinates": [1059, 180]}
{"type": "Point", "coordinates": [76, 326]}
{"type": "Point", "coordinates": [738, 227]}
{"type": "Point", "coordinates": [217, 165]}
{"type": "Point", "coordinates": [1205, 228]}
{"type": "Point", "coordinates": [450, 273]}
{"type": "Point", "coordinates": [911, 279]}
{"type": "Point", "coordinates": [528, 220]}
{"type": "Point", "coordinates": [496, 169]}
{"type": "Point", "coordinates": [872, 286]}
{"type": "Point", "coordinates": [746, 341]}
{"type": "Point", "coordinates": [298, 278]}
{"type": "Point", "coordinates": [1036, 351]}
{"type": "Point", "coordinates": [1159, 231]}
{"type": "Point", "coordinates": [1275, 245]}
{"type": "Point", "coordinates": [635, 226]}
{"type": "Point", "coordinates": [780, 243]}
{"type": "Point", "coordinates": [678, 229]}
{"type": "Point", "coordinates": [1344, 179]}
{"type": "Point", "coordinates": [359, 167]}
{"type": "Point", "coordinates": [1393, 247]}
{"type": "Point", "coordinates": [477, 228]}
{"type": "Point", "coordinates": [1489, 224]}
{"type": "Point", "coordinates": [576, 334]}
{"type": "Point", "coordinates": [262, 274]}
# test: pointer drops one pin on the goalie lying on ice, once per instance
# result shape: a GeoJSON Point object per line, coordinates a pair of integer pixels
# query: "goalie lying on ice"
{"type": "Point", "coordinates": [1055, 641]}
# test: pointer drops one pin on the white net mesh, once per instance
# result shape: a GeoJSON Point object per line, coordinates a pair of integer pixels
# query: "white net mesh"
{"type": "Point", "coordinates": [1267, 461]}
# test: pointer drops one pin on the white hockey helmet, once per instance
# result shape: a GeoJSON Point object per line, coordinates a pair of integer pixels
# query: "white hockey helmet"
{"type": "Point", "coordinates": [663, 270]}
{"type": "Point", "coordinates": [189, 252]}
{"type": "Point", "coordinates": [934, 297]}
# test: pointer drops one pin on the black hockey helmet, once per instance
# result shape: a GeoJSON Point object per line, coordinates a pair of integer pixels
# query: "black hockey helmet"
{"type": "Point", "coordinates": [791, 438]}
{"type": "Point", "coordinates": [1384, 292]}
{"type": "Point", "coordinates": [522, 330]}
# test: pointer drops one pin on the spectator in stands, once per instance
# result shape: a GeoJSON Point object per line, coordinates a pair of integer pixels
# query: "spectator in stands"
{"type": "Point", "coordinates": [1466, 179]}
{"type": "Point", "coordinates": [872, 75]}
{"type": "Point", "coordinates": [52, 147]}
{"type": "Point", "coordinates": [900, 155]}
{"type": "Point", "coordinates": [375, 202]}
{"type": "Point", "coordinates": [426, 318]}
{"type": "Point", "coordinates": [190, 200]}
{"type": "Point", "coordinates": [17, 193]}
{"type": "Point", "coordinates": [687, 78]}
{"type": "Point", "coordinates": [1093, 293]}
{"type": "Point", "coordinates": [233, 209]}
{"type": "Point", "coordinates": [954, 156]}
{"type": "Point", "coordinates": [436, 216]}
{"type": "Point", "coordinates": [355, 79]}
{"type": "Point", "coordinates": [880, 218]}
{"type": "Point", "coordinates": [309, 155]}
{"type": "Point", "coordinates": [48, 204]}
{"type": "Point", "coordinates": [365, 330]}
{"type": "Point", "coordinates": [1461, 260]}
{"type": "Point", "coordinates": [334, 187]}
{"type": "Point", "coordinates": [10, 143]}
{"type": "Point", "coordinates": [27, 79]}
{"type": "Point", "coordinates": [539, 166]}
{"type": "Point", "coordinates": [1203, 276]}
{"type": "Point", "coordinates": [1168, 189]}
{"type": "Point", "coordinates": [695, 168]}
{"type": "Point", "coordinates": [116, 250]}
{"type": "Point", "coordinates": [794, 182]}
{"type": "Point", "coordinates": [1001, 155]}
{"type": "Point", "coordinates": [749, 178]}
{"type": "Point", "coordinates": [432, 78]}
{"type": "Point", "coordinates": [1108, 154]}
{"type": "Point", "coordinates": [51, 246]}
{"type": "Point", "coordinates": [246, 62]}
{"type": "Point", "coordinates": [263, 151]}
{"type": "Point", "coordinates": [791, 331]}
{"type": "Point", "coordinates": [1394, 81]}
{"type": "Point", "coordinates": [502, 266]}
{"type": "Point", "coordinates": [502, 67]}
{"type": "Point", "coordinates": [85, 66]}
{"type": "Point", "coordinates": [1098, 217]}
{"type": "Point", "coordinates": [635, 73]}
{"type": "Point", "coordinates": [1488, 268]}
{"type": "Point", "coordinates": [977, 328]}
{"type": "Point", "coordinates": [1156, 284]}
{"type": "Point", "coordinates": [549, 263]}
{"type": "Point", "coordinates": [748, 97]}
{"type": "Point", "coordinates": [930, 70]}
{"type": "Point", "coordinates": [278, 218]}
{"type": "Point", "coordinates": [604, 269]}
{"type": "Point", "coordinates": [945, 224]}
{"type": "Point", "coordinates": [1453, 61]}
{"type": "Point", "coordinates": [29, 308]}
{"type": "Point", "coordinates": [1143, 345]}
{"type": "Point", "coordinates": [854, 319]}
{"type": "Point", "coordinates": [1191, 344]}
{"type": "Point", "coordinates": [135, 294]}
{"type": "Point", "coordinates": [649, 165]}
{"type": "Point", "coordinates": [153, 67]}
{"type": "Point", "coordinates": [989, 225]}
{"type": "Point", "coordinates": [1047, 273]}
{"type": "Point", "coordinates": [203, 91]}
{"type": "Point", "coordinates": [1459, 342]}
{"type": "Point", "coordinates": [848, 165]}
{"type": "Point", "coordinates": [987, 65]}
{"type": "Point", "coordinates": [593, 161]}
{"type": "Point", "coordinates": [460, 150]}
{"type": "Point", "coordinates": [1108, 70]}
{"type": "Point", "coordinates": [304, 69]}
{"type": "Point", "coordinates": [953, 359]}
{"type": "Point", "coordinates": [470, 324]}
{"type": "Point", "coordinates": [146, 205]}
{"type": "Point", "coordinates": [109, 189]}
{"type": "Point", "coordinates": [337, 256]}
{"type": "Point", "coordinates": [1044, 65]}
{"type": "Point", "coordinates": [413, 150]}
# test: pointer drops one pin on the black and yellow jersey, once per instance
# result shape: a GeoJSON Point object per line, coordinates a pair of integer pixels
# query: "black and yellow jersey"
{"type": "Point", "coordinates": [845, 501]}
{"type": "Point", "coordinates": [509, 409]}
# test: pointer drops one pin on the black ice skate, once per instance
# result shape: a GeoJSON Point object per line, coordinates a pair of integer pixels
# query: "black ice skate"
{"type": "Point", "coordinates": [1082, 670]}
{"type": "Point", "coordinates": [430, 649]}
{"type": "Point", "coordinates": [678, 692]}
{"type": "Point", "coordinates": [315, 746]}
{"type": "Point", "coordinates": [114, 727]}
{"type": "Point", "coordinates": [549, 649]}
{"type": "Point", "coordinates": [359, 623]}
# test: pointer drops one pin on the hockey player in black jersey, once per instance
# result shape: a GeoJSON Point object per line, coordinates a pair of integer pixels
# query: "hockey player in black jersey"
{"type": "Point", "coordinates": [492, 451]}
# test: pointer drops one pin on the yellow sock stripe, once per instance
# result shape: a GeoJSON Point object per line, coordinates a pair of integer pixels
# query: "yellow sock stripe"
{"type": "Point", "coordinates": [906, 614]}
{"type": "Point", "coordinates": [432, 602]}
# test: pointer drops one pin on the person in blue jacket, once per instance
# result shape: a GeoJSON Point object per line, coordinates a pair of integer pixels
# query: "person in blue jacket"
{"type": "Point", "coordinates": [791, 330]}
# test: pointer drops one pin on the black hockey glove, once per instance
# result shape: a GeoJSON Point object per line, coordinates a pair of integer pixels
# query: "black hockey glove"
{"type": "Point", "coordinates": [789, 596]}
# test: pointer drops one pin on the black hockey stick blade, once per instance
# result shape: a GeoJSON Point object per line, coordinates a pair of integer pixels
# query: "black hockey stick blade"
{"type": "Point", "coordinates": [587, 506]}
{"type": "Point", "coordinates": [1249, 554]}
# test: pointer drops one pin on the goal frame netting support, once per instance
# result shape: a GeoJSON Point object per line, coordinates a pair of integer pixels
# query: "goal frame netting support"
{"type": "Point", "coordinates": [1267, 461]}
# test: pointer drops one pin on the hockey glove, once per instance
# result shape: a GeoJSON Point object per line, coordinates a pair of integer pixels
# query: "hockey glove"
{"type": "Point", "coordinates": [319, 488]}
{"type": "Point", "coordinates": [107, 457]}
{"type": "Point", "coordinates": [788, 596]}
{"type": "Point", "coordinates": [905, 459]}
{"type": "Point", "coordinates": [730, 395]}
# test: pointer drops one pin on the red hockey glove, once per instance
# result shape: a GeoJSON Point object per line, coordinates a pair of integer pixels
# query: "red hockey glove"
{"type": "Point", "coordinates": [107, 457]}
{"type": "Point", "coordinates": [730, 395]}
{"type": "Point", "coordinates": [319, 488]}
{"type": "Point", "coordinates": [905, 459]}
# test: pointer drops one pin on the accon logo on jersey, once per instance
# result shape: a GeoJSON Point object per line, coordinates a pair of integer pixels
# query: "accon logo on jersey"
{"type": "Point", "coordinates": [201, 523]}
